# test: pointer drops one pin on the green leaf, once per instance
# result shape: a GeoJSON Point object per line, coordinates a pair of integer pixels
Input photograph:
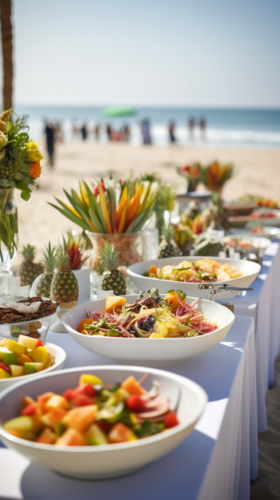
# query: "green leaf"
{"type": "Point", "coordinates": [25, 195]}
{"type": "Point", "coordinates": [95, 220]}
{"type": "Point", "coordinates": [71, 216]}
{"type": "Point", "coordinates": [4, 182]}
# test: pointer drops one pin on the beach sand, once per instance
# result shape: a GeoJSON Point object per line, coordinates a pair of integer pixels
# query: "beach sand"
{"type": "Point", "coordinates": [257, 173]}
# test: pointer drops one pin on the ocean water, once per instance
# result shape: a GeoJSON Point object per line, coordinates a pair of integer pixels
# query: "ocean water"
{"type": "Point", "coordinates": [229, 127]}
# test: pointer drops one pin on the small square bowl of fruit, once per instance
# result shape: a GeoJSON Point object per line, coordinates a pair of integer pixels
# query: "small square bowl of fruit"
{"type": "Point", "coordinates": [27, 356]}
{"type": "Point", "coordinates": [30, 317]}
{"type": "Point", "coordinates": [99, 422]}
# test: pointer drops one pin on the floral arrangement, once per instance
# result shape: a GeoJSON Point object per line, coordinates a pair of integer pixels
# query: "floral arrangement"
{"type": "Point", "coordinates": [116, 208]}
{"type": "Point", "coordinates": [216, 174]}
{"type": "Point", "coordinates": [192, 175]}
{"type": "Point", "coordinates": [19, 168]}
{"type": "Point", "coordinates": [19, 157]}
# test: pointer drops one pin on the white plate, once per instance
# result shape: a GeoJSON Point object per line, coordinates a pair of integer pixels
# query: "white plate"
{"type": "Point", "coordinates": [268, 232]}
{"type": "Point", "coordinates": [104, 461]}
{"type": "Point", "coordinates": [250, 271]}
{"type": "Point", "coordinates": [59, 357]}
{"type": "Point", "coordinates": [259, 243]}
{"type": "Point", "coordinates": [150, 352]}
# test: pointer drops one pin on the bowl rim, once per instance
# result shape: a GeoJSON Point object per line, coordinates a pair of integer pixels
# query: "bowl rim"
{"type": "Point", "coordinates": [200, 392]}
{"type": "Point", "coordinates": [116, 339]}
{"type": "Point", "coordinates": [131, 272]}
{"type": "Point", "coordinates": [56, 348]}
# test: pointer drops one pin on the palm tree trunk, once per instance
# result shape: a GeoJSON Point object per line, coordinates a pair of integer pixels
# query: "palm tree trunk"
{"type": "Point", "coordinates": [7, 51]}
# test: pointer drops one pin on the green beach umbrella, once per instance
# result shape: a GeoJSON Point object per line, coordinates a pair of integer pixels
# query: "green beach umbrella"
{"type": "Point", "coordinates": [116, 112]}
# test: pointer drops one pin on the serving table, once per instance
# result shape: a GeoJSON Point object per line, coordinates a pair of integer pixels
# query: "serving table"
{"type": "Point", "coordinates": [215, 462]}
{"type": "Point", "coordinates": [263, 304]}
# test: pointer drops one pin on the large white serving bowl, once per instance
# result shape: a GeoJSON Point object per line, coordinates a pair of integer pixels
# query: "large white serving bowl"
{"type": "Point", "coordinates": [250, 271]}
{"type": "Point", "coordinates": [104, 461]}
{"type": "Point", "coordinates": [150, 352]}
{"type": "Point", "coordinates": [59, 359]}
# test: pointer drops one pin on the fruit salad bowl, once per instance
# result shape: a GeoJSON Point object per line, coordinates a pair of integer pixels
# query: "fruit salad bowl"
{"type": "Point", "coordinates": [59, 356]}
{"type": "Point", "coordinates": [249, 270]}
{"type": "Point", "coordinates": [154, 352]}
{"type": "Point", "coordinates": [186, 397]}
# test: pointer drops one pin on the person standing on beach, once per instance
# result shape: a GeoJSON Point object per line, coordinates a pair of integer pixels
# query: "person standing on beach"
{"type": "Point", "coordinates": [96, 132]}
{"type": "Point", "coordinates": [191, 127]}
{"type": "Point", "coordinates": [146, 134]}
{"type": "Point", "coordinates": [171, 132]}
{"type": "Point", "coordinates": [49, 131]}
{"type": "Point", "coordinates": [202, 125]}
{"type": "Point", "coordinates": [109, 132]}
{"type": "Point", "coordinates": [84, 132]}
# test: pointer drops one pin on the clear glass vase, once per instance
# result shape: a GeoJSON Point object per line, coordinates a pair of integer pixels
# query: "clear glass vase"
{"type": "Point", "coordinates": [8, 238]}
{"type": "Point", "coordinates": [129, 246]}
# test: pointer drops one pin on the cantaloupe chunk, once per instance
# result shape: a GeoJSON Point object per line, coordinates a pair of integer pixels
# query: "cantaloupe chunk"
{"type": "Point", "coordinates": [132, 387]}
{"type": "Point", "coordinates": [80, 418]}
{"type": "Point", "coordinates": [71, 437]}
{"type": "Point", "coordinates": [53, 417]}
{"type": "Point", "coordinates": [112, 302]}
{"type": "Point", "coordinates": [120, 433]}
{"type": "Point", "coordinates": [43, 398]}
{"type": "Point", "coordinates": [153, 270]}
{"type": "Point", "coordinates": [57, 401]}
{"type": "Point", "coordinates": [47, 437]}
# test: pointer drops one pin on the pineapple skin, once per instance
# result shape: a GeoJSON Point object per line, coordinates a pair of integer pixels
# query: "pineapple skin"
{"type": "Point", "coordinates": [114, 280]}
{"type": "Point", "coordinates": [167, 250]}
{"type": "Point", "coordinates": [44, 285]}
{"type": "Point", "coordinates": [65, 289]}
{"type": "Point", "coordinates": [29, 271]}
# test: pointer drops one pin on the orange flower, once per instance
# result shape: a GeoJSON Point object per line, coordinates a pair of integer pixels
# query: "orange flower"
{"type": "Point", "coordinates": [35, 170]}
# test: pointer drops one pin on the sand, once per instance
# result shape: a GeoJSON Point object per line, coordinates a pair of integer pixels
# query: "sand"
{"type": "Point", "coordinates": [257, 173]}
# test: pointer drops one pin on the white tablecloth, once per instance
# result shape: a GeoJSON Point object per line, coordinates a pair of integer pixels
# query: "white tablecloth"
{"type": "Point", "coordinates": [263, 304]}
{"type": "Point", "coordinates": [215, 462]}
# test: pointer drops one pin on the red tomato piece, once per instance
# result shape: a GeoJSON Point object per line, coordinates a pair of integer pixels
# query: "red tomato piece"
{"type": "Point", "coordinates": [68, 394]}
{"type": "Point", "coordinates": [28, 410]}
{"type": "Point", "coordinates": [135, 403]}
{"type": "Point", "coordinates": [104, 426]}
{"type": "Point", "coordinates": [40, 343]}
{"type": "Point", "coordinates": [82, 400]}
{"type": "Point", "coordinates": [86, 389]}
{"type": "Point", "coordinates": [171, 420]}
{"type": "Point", "coordinates": [4, 367]}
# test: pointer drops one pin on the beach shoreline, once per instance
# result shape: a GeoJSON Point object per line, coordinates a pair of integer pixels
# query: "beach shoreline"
{"type": "Point", "coordinates": [257, 172]}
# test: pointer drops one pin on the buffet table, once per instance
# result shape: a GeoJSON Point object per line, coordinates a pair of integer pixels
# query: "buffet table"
{"type": "Point", "coordinates": [263, 304]}
{"type": "Point", "coordinates": [216, 461]}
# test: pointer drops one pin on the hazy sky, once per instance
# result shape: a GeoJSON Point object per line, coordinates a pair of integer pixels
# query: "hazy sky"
{"type": "Point", "coordinates": [155, 52]}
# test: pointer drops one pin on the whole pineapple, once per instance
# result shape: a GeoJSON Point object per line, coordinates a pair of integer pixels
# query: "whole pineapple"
{"type": "Point", "coordinates": [112, 278]}
{"type": "Point", "coordinates": [29, 270]}
{"type": "Point", "coordinates": [64, 287]}
{"type": "Point", "coordinates": [167, 248]}
{"type": "Point", "coordinates": [49, 263]}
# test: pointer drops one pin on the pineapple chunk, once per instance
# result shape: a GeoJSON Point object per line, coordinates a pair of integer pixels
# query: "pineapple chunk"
{"type": "Point", "coordinates": [13, 346]}
{"type": "Point", "coordinates": [112, 302]}
{"type": "Point", "coordinates": [4, 374]}
{"type": "Point", "coordinates": [40, 355]}
{"type": "Point", "coordinates": [27, 342]}
{"type": "Point", "coordinates": [90, 379]}
{"type": "Point", "coordinates": [16, 370]}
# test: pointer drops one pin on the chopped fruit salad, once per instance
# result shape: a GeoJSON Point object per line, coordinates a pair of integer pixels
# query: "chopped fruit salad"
{"type": "Point", "coordinates": [201, 271]}
{"type": "Point", "coordinates": [150, 316]}
{"type": "Point", "coordinates": [94, 414]}
{"type": "Point", "coordinates": [24, 357]}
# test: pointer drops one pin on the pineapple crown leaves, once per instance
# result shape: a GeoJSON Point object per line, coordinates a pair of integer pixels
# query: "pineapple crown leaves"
{"type": "Point", "coordinates": [49, 258]}
{"type": "Point", "coordinates": [168, 234]}
{"type": "Point", "coordinates": [109, 256]}
{"type": "Point", "coordinates": [62, 259]}
{"type": "Point", "coordinates": [28, 252]}
{"type": "Point", "coordinates": [73, 246]}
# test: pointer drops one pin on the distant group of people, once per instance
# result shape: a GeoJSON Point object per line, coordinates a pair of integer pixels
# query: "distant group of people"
{"type": "Point", "coordinates": [54, 133]}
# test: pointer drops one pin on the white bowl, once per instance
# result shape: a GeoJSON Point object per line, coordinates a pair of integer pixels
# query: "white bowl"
{"type": "Point", "coordinates": [269, 232]}
{"type": "Point", "coordinates": [104, 461]}
{"type": "Point", "coordinates": [250, 271]}
{"type": "Point", "coordinates": [59, 359]}
{"type": "Point", "coordinates": [150, 352]}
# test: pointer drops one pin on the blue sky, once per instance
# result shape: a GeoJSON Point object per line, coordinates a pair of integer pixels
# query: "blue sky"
{"type": "Point", "coordinates": [153, 52]}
